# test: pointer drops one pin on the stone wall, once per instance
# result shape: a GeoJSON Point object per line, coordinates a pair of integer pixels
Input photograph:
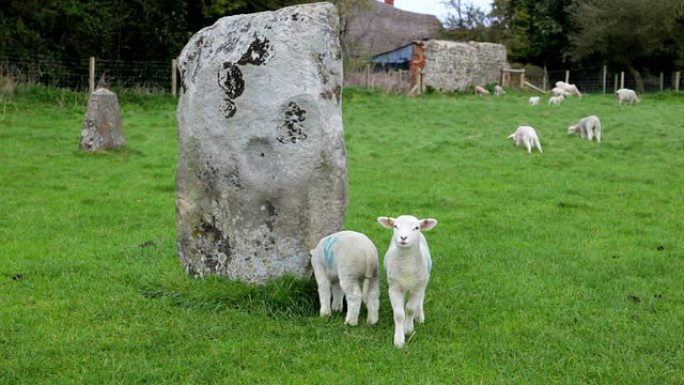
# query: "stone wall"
{"type": "Point", "coordinates": [451, 66]}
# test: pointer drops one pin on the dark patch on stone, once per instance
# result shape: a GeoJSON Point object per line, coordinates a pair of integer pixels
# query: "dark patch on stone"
{"type": "Point", "coordinates": [210, 241]}
{"type": "Point", "coordinates": [228, 108]}
{"type": "Point", "coordinates": [291, 130]}
{"type": "Point", "coordinates": [270, 215]}
{"type": "Point", "coordinates": [333, 93]}
{"type": "Point", "coordinates": [230, 80]}
{"type": "Point", "coordinates": [233, 179]}
{"type": "Point", "coordinates": [295, 16]}
{"type": "Point", "coordinates": [257, 53]}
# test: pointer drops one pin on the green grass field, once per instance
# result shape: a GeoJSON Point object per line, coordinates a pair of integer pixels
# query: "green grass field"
{"type": "Point", "coordinates": [559, 268]}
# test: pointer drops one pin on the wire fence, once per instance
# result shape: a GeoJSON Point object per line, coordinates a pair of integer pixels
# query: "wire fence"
{"type": "Point", "coordinates": [158, 76]}
{"type": "Point", "coordinates": [144, 76]}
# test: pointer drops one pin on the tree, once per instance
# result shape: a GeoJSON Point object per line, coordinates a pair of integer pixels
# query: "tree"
{"type": "Point", "coordinates": [634, 34]}
{"type": "Point", "coordinates": [467, 22]}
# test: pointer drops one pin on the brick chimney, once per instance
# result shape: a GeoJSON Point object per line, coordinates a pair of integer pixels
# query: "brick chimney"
{"type": "Point", "coordinates": [389, 2]}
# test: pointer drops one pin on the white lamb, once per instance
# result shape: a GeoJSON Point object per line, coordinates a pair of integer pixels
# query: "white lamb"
{"type": "Point", "coordinates": [347, 262]}
{"type": "Point", "coordinates": [571, 89]}
{"type": "Point", "coordinates": [528, 136]}
{"type": "Point", "coordinates": [557, 91]}
{"type": "Point", "coordinates": [498, 90]}
{"type": "Point", "coordinates": [588, 128]}
{"type": "Point", "coordinates": [408, 264]}
{"type": "Point", "coordinates": [479, 90]}
{"type": "Point", "coordinates": [626, 95]}
{"type": "Point", "coordinates": [556, 100]}
{"type": "Point", "coordinates": [534, 100]}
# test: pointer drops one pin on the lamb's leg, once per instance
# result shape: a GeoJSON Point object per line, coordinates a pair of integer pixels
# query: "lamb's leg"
{"type": "Point", "coordinates": [352, 291]}
{"type": "Point", "coordinates": [337, 296]}
{"type": "Point", "coordinates": [373, 300]}
{"type": "Point", "coordinates": [323, 283]}
{"type": "Point", "coordinates": [538, 145]}
{"type": "Point", "coordinates": [413, 305]}
{"type": "Point", "coordinates": [598, 134]}
{"type": "Point", "coordinates": [528, 145]}
{"type": "Point", "coordinates": [397, 301]}
{"type": "Point", "coordinates": [590, 134]}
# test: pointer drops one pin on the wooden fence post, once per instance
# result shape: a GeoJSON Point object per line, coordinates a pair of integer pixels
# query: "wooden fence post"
{"type": "Point", "coordinates": [622, 79]}
{"type": "Point", "coordinates": [522, 79]}
{"type": "Point", "coordinates": [605, 75]}
{"type": "Point", "coordinates": [173, 77]}
{"type": "Point", "coordinates": [677, 80]}
{"type": "Point", "coordinates": [567, 76]}
{"type": "Point", "coordinates": [662, 82]}
{"type": "Point", "coordinates": [367, 75]}
{"type": "Point", "coordinates": [545, 79]}
{"type": "Point", "coordinates": [91, 74]}
{"type": "Point", "coordinates": [615, 83]}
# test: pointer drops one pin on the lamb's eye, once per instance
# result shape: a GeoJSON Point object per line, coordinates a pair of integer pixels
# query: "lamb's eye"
{"type": "Point", "coordinates": [416, 228]}
{"type": "Point", "coordinates": [395, 226]}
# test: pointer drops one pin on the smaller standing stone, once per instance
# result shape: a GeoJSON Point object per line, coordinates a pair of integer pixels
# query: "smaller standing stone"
{"type": "Point", "coordinates": [102, 125]}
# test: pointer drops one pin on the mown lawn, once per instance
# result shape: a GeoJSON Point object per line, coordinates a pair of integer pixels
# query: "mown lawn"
{"type": "Point", "coordinates": [559, 268]}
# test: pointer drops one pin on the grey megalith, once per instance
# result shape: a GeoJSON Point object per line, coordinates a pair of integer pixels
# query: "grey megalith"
{"type": "Point", "coordinates": [102, 124]}
{"type": "Point", "coordinates": [262, 170]}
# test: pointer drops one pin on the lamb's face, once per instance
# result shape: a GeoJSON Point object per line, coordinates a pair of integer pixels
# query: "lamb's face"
{"type": "Point", "coordinates": [572, 130]}
{"type": "Point", "coordinates": [406, 229]}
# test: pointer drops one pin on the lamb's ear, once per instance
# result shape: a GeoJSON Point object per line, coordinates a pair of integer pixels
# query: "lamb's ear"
{"type": "Point", "coordinates": [427, 224]}
{"type": "Point", "coordinates": [386, 222]}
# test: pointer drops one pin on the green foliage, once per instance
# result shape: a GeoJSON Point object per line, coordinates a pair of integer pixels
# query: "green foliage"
{"type": "Point", "coordinates": [555, 268]}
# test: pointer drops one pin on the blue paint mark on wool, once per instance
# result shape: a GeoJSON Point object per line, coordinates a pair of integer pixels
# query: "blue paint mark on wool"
{"type": "Point", "coordinates": [328, 254]}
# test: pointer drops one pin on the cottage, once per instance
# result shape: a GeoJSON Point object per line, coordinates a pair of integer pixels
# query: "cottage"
{"type": "Point", "coordinates": [447, 65]}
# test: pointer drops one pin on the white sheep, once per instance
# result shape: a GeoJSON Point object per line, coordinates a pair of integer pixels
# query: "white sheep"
{"type": "Point", "coordinates": [534, 100]}
{"type": "Point", "coordinates": [587, 127]}
{"type": "Point", "coordinates": [498, 90]}
{"type": "Point", "coordinates": [626, 95]}
{"type": "Point", "coordinates": [408, 264]}
{"type": "Point", "coordinates": [556, 100]}
{"type": "Point", "coordinates": [557, 91]}
{"type": "Point", "coordinates": [571, 89]}
{"type": "Point", "coordinates": [479, 90]}
{"type": "Point", "coordinates": [347, 263]}
{"type": "Point", "coordinates": [528, 136]}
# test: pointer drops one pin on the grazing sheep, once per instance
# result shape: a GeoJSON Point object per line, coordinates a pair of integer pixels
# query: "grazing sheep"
{"type": "Point", "coordinates": [626, 95]}
{"type": "Point", "coordinates": [556, 100]}
{"type": "Point", "coordinates": [347, 262]}
{"type": "Point", "coordinates": [498, 90]}
{"type": "Point", "coordinates": [528, 136]}
{"type": "Point", "coordinates": [479, 90]}
{"type": "Point", "coordinates": [557, 91]}
{"type": "Point", "coordinates": [534, 100]}
{"type": "Point", "coordinates": [571, 89]}
{"type": "Point", "coordinates": [588, 128]}
{"type": "Point", "coordinates": [408, 264]}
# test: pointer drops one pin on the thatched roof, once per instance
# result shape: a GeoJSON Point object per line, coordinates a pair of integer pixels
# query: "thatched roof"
{"type": "Point", "coordinates": [378, 28]}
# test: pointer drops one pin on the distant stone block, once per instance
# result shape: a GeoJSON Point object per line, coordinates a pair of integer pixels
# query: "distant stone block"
{"type": "Point", "coordinates": [262, 171]}
{"type": "Point", "coordinates": [102, 125]}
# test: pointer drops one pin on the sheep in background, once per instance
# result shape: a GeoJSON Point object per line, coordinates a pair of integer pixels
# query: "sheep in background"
{"type": "Point", "coordinates": [571, 89]}
{"type": "Point", "coordinates": [528, 136]}
{"type": "Point", "coordinates": [626, 95]}
{"type": "Point", "coordinates": [534, 100]}
{"type": "Point", "coordinates": [587, 127]}
{"type": "Point", "coordinates": [347, 263]}
{"type": "Point", "coordinates": [479, 90]}
{"type": "Point", "coordinates": [556, 100]}
{"type": "Point", "coordinates": [408, 264]}
{"type": "Point", "coordinates": [557, 91]}
{"type": "Point", "coordinates": [498, 90]}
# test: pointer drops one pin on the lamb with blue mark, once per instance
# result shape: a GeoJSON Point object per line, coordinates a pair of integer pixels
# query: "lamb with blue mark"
{"type": "Point", "coordinates": [345, 265]}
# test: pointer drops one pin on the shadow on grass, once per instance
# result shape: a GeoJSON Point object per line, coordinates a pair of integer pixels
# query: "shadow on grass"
{"type": "Point", "coordinates": [287, 297]}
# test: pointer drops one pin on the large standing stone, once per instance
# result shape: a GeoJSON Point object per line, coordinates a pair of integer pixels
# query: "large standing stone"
{"type": "Point", "coordinates": [262, 166]}
{"type": "Point", "coordinates": [102, 125]}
